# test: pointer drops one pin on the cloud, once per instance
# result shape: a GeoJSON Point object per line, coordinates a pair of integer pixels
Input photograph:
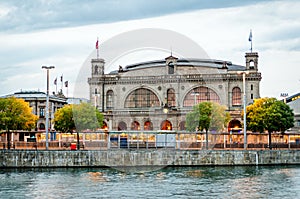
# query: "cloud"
{"type": "Point", "coordinates": [60, 33]}
{"type": "Point", "coordinates": [24, 16]}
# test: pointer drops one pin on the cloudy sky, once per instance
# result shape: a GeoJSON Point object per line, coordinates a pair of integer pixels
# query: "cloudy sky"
{"type": "Point", "coordinates": [63, 33]}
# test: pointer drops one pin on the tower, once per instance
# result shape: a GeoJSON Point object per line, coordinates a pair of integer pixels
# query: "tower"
{"type": "Point", "coordinates": [251, 61]}
{"type": "Point", "coordinates": [97, 67]}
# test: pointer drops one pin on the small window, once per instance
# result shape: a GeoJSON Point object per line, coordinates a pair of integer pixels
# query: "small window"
{"type": "Point", "coordinates": [109, 99]}
{"type": "Point", "coordinates": [171, 68]}
{"type": "Point", "coordinates": [251, 65]}
{"type": "Point", "coordinates": [252, 96]}
{"type": "Point", "coordinates": [42, 112]}
{"type": "Point", "coordinates": [252, 87]}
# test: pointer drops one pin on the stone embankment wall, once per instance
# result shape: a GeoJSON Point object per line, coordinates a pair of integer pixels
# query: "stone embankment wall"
{"type": "Point", "coordinates": [162, 157]}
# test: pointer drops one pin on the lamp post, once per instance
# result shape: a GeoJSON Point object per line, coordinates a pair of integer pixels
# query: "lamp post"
{"type": "Point", "coordinates": [47, 103]}
{"type": "Point", "coordinates": [244, 73]}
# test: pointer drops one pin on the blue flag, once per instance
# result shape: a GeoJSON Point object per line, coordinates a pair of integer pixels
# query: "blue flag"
{"type": "Point", "coordinates": [250, 36]}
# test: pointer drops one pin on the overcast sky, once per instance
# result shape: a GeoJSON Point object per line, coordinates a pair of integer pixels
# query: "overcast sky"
{"type": "Point", "coordinates": [63, 33]}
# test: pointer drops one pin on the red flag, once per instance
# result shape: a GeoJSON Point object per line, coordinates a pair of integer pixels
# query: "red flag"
{"type": "Point", "coordinates": [97, 42]}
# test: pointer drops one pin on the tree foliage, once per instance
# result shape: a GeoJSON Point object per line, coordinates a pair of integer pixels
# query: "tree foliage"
{"type": "Point", "coordinates": [16, 114]}
{"type": "Point", "coordinates": [207, 116]}
{"type": "Point", "coordinates": [77, 117]}
{"type": "Point", "coordinates": [269, 114]}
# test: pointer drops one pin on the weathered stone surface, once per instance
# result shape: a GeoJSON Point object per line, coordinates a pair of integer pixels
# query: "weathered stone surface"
{"type": "Point", "coordinates": [117, 158]}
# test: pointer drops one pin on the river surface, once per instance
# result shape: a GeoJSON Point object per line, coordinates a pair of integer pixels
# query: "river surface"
{"type": "Point", "coordinates": [171, 182]}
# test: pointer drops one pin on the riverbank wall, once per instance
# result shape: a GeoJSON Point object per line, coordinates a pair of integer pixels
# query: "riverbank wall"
{"type": "Point", "coordinates": [161, 157]}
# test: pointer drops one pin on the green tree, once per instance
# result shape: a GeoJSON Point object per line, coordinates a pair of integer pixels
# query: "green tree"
{"type": "Point", "coordinates": [269, 114]}
{"type": "Point", "coordinates": [15, 114]}
{"type": "Point", "coordinates": [77, 118]}
{"type": "Point", "coordinates": [207, 116]}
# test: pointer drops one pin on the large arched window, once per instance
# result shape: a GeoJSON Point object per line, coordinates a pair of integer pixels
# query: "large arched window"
{"type": "Point", "coordinates": [236, 96]}
{"type": "Point", "coordinates": [171, 97]}
{"type": "Point", "coordinates": [140, 98]}
{"type": "Point", "coordinates": [109, 99]}
{"type": "Point", "coordinates": [200, 94]}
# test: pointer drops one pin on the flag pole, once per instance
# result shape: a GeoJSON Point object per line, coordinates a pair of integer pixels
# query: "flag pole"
{"type": "Point", "coordinates": [56, 85]}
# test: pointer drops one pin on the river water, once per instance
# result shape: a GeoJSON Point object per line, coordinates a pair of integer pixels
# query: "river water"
{"type": "Point", "coordinates": [179, 182]}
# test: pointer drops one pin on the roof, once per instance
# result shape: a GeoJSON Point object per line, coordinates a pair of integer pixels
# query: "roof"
{"type": "Point", "coordinates": [35, 94]}
{"type": "Point", "coordinates": [292, 98]}
{"type": "Point", "coordinates": [211, 63]}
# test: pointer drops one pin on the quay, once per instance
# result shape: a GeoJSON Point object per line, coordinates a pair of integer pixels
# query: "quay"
{"type": "Point", "coordinates": [150, 157]}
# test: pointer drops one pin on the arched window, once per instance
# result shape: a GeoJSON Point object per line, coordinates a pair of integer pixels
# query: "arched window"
{"type": "Point", "coordinates": [236, 96]}
{"type": "Point", "coordinates": [200, 94]}
{"type": "Point", "coordinates": [104, 126]}
{"type": "Point", "coordinates": [166, 125]}
{"type": "Point", "coordinates": [122, 126]}
{"type": "Point", "coordinates": [141, 98]}
{"type": "Point", "coordinates": [135, 126]}
{"type": "Point", "coordinates": [148, 125]}
{"type": "Point", "coordinates": [182, 126]}
{"type": "Point", "coordinates": [171, 97]}
{"type": "Point", "coordinates": [42, 126]}
{"type": "Point", "coordinates": [251, 64]}
{"type": "Point", "coordinates": [109, 99]}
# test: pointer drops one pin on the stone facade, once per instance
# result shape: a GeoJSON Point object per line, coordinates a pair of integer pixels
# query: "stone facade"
{"type": "Point", "coordinates": [157, 95]}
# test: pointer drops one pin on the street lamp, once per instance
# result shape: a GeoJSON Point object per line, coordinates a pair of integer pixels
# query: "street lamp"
{"type": "Point", "coordinates": [47, 103]}
{"type": "Point", "coordinates": [244, 90]}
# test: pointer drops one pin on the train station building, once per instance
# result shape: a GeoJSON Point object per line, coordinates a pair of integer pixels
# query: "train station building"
{"type": "Point", "coordinates": [157, 95]}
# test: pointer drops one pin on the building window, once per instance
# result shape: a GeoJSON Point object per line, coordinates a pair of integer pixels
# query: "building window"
{"type": "Point", "coordinates": [166, 125]}
{"type": "Point", "coordinates": [148, 125]}
{"type": "Point", "coordinates": [252, 96]}
{"type": "Point", "coordinates": [252, 87]}
{"type": "Point", "coordinates": [236, 96]}
{"type": "Point", "coordinates": [122, 126]}
{"type": "Point", "coordinates": [109, 99]}
{"type": "Point", "coordinates": [171, 97]}
{"type": "Point", "coordinates": [135, 126]}
{"type": "Point", "coordinates": [42, 126]}
{"type": "Point", "coordinates": [200, 94]}
{"type": "Point", "coordinates": [96, 92]}
{"type": "Point", "coordinates": [141, 98]}
{"type": "Point", "coordinates": [42, 112]}
{"type": "Point", "coordinates": [182, 126]}
{"type": "Point", "coordinates": [171, 68]}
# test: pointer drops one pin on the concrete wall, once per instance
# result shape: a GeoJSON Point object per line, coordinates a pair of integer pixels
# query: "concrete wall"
{"type": "Point", "coordinates": [22, 158]}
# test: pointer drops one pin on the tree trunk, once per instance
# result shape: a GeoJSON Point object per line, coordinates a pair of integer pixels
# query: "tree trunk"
{"type": "Point", "coordinates": [78, 143]}
{"type": "Point", "coordinates": [8, 139]}
{"type": "Point", "coordinates": [270, 140]}
{"type": "Point", "coordinates": [206, 132]}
